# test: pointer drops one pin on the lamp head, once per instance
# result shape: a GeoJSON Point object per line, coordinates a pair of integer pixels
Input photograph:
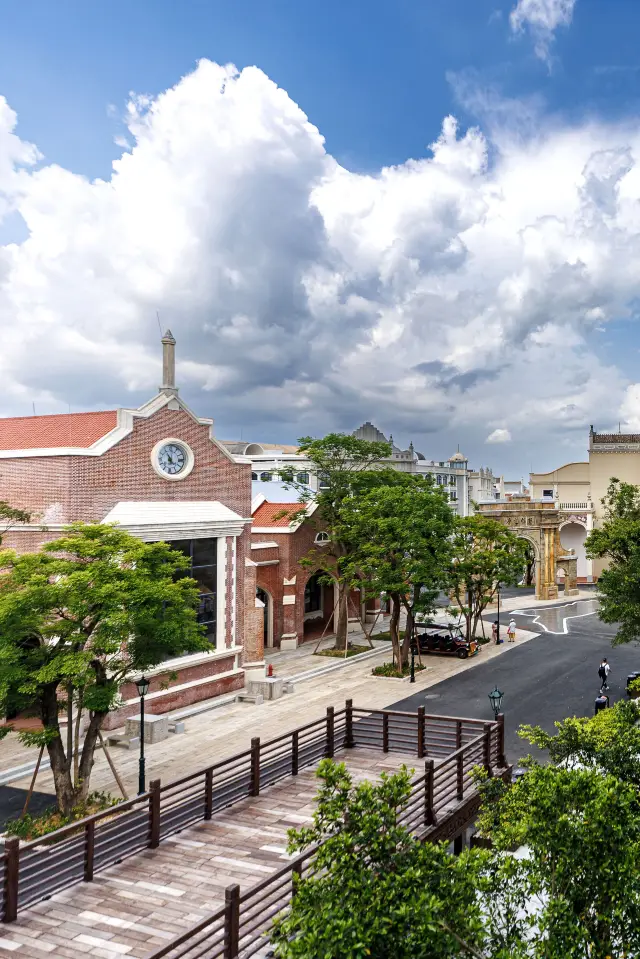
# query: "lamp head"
{"type": "Point", "coordinates": [142, 685]}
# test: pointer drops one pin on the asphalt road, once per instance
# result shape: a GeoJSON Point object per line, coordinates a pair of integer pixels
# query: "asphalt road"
{"type": "Point", "coordinates": [544, 680]}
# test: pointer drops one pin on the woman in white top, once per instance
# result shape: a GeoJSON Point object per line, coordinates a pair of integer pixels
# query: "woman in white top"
{"type": "Point", "coordinates": [511, 631]}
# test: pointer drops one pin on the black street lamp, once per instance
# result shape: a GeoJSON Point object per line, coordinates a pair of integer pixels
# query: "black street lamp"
{"type": "Point", "coordinates": [495, 698]}
{"type": "Point", "coordinates": [142, 686]}
{"type": "Point", "coordinates": [498, 620]}
{"type": "Point", "coordinates": [412, 677]}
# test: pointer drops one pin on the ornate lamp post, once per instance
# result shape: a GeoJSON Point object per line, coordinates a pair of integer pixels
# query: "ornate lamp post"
{"type": "Point", "coordinates": [142, 685]}
{"type": "Point", "coordinates": [495, 698]}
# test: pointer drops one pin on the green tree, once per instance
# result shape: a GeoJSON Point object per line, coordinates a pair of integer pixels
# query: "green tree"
{"type": "Point", "coordinates": [79, 618]}
{"type": "Point", "coordinates": [609, 741]}
{"type": "Point", "coordinates": [399, 527]}
{"type": "Point", "coordinates": [581, 831]}
{"type": "Point", "coordinates": [618, 541]}
{"type": "Point", "coordinates": [376, 891]}
{"type": "Point", "coordinates": [486, 556]}
{"type": "Point", "coordinates": [338, 460]}
{"type": "Point", "coordinates": [10, 516]}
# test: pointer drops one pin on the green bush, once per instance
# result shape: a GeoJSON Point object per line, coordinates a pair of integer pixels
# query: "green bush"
{"type": "Point", "coordinates": [390, 669]}
{"type": "Point", "coordinates": [33, 827]}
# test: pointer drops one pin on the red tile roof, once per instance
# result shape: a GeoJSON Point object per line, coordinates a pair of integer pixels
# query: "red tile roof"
{"type": "Point", "coordinates": [267, 514]}
{"type": "Point", "coordinates": [58, 429]}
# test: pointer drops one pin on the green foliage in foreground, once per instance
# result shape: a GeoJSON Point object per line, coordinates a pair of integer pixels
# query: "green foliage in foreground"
{"type": "Point", "coordinates": [373, 890]}
{"type": "Point", "coordinates": [617, 540]}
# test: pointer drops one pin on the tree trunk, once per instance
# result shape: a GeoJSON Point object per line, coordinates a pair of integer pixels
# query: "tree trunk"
{"type": "Point", "coordinates": [67, 795]}
{"type": "Point", "coordinates": [341, 616]}
{"type": "Point", "coordinates": [408, 632]}
{"type": "Point", "coordinates": [394, 630]}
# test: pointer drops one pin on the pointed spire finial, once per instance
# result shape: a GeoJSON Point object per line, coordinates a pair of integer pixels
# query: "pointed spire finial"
{"type": "Point", "coordinates": [168, 363]}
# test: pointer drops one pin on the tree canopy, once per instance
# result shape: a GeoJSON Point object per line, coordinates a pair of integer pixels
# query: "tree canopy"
{"type": "Point", "coordinates": [80, 617]}
{"type": "Point", "coordinates": [339, 461]}
{"type": "Point", "coordinates": [617, 540]}
{"type": "Point", "coordinates": [486, 556]}
{"type": "Point", "coordinates": [399, 527]}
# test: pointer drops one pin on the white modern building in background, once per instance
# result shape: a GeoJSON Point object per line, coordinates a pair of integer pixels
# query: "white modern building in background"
{"type": "Point", "coordinates": [271, 464]}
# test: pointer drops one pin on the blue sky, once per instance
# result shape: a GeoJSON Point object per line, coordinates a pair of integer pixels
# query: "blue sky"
{"type": "Point", "coordinates": [377, 79]}
{"type": "Point", "coordinates": [372, 76]}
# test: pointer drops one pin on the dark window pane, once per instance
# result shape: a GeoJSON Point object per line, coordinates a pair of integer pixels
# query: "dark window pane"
{"type": "Point", "coordinates": [206, 577]}
{"type": "Point", "coordinates": [204, 552]}
{"type": "Point", "coordinates": [207, 608]}
{"type": "Point", "coordinates": [210, 633]}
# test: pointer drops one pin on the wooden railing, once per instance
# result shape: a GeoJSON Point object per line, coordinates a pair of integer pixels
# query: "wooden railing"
{"type": "Point", "coordinates": [240, 927]}
{"type": "Point", "coordinates": [35, 870]}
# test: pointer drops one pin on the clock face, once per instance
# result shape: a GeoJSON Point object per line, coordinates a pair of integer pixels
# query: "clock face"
{"type": "Point", "coordinates": [172, 459]}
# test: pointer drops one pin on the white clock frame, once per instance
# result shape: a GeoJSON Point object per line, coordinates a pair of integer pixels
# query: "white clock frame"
{"type": "Point", "coordinates": [188, 465]}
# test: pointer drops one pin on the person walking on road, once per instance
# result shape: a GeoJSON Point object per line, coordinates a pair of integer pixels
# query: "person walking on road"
{"type": "Point", "coordinates": [511, 630]}
{"type": "Point", "coordinates": [603, 672]}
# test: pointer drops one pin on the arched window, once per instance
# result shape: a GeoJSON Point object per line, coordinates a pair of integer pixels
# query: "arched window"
{"type": "Point", "coordinates": [452, 481]}
{"type": "Point", "coordinates": [323, 481]}
{"type": "Point", "coordinates": [265, 477]}
{"type": "Point", "coordinates": [303, 478]}
{"type": "Point", "coordinates": [322, 538]}
{"type": "Point", "coordinates": [286, 475]}
{"type": "Point", "coordinates": [254, 476]}
{"type": "Point", "coordinates": [439, 479]}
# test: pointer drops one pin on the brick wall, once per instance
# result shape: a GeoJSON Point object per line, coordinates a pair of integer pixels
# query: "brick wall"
{"type": "Point", "coordinates": [64, 489]}
{"type": "Point", "coordinates": [292, 547]}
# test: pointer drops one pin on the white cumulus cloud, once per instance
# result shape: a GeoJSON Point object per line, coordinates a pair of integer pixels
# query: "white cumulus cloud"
{"type": "Point", "coordinates": [499, 436]}
{"type": "Point", "coordinates": [434, 297]}
{"type": "Point", "coordinates": [542, 18]}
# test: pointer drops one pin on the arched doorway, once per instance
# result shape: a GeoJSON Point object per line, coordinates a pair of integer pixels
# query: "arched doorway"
{"type": "Point", "coordinates": [319, 602]}
{"type": "Point", "coordinates": [573, 536]}
{"type": "Point", "coordinates": [265, 598]}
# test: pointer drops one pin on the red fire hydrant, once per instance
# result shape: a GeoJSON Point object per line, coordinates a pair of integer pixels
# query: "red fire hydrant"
{"type": "Point", "coordinates": [270, 670]}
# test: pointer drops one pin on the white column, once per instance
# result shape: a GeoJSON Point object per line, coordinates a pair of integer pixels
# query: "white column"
{"type": "Point", "coordinates": [589, 561]}
{"type": "Point", "coordinates": [233, 589]}
{"type": "Point", "coordinates": [221, 604]}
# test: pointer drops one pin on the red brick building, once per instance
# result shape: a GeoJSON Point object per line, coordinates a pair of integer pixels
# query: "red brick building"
{"type": "Point", "coordinates": [296, 605]}
{"type": "Point", "coordinates": [161, 474]}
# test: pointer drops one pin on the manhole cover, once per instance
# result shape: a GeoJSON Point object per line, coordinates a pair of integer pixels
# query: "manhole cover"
{"type": "Point", "coordinates": [432, 696]}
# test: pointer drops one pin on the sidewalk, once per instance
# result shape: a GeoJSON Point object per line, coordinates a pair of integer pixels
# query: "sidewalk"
{"type": "Point", "coordinates": [214, 735]}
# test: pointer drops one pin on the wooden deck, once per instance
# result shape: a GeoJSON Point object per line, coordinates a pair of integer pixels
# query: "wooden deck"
{"type": "Point", "coordinates": [144, 902]}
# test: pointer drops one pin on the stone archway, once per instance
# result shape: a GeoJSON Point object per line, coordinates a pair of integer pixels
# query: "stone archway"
{"type": "Point", "coordinates": [539, 523]}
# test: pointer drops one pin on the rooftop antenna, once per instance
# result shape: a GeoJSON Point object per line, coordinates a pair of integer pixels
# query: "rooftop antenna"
{"type": "Point", "coordinates": [158, 319]}
{"type": "Point", "coordinates": [34, 408]}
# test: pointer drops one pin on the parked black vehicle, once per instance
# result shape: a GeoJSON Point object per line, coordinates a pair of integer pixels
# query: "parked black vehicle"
{"type": "Point", "coordinates": [447, 640]}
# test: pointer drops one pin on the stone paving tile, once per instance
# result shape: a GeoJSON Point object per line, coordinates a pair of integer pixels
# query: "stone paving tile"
{"type": "Point", "coordinates": [151, 897]}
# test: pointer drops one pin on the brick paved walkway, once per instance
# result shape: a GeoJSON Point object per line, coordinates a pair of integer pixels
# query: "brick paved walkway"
{"type": "Point", "coordinates": [153, 896]}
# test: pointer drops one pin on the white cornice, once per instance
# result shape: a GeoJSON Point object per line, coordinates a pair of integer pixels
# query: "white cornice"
{"type": "Point", "coordinates": [124, 426]}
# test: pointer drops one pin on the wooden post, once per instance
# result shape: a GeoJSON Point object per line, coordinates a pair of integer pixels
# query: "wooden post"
{"type": "Point", "coordinates": [460, 776]}
{"type": "Point", "coordinates": [429, 812]}
{"type": "Point", "coordinates": [89, 849]}
{"type": "Point", "coordinates": [154, 814]}
{"type": "Point", "coordinates": [349, 742]}
{"type": "Point", "coordinates": [11, 873]}
{"type": "Point", "coordinates": [231, 921]}
{"type": "Point", "coordinates": [458, 734]}
{"type": "Point", "coordinates": [486, 749]}
{"type": "Point", "coordinates": [421, 725]}
{"type": "Point", "coordinates": [385, 732]}
{"type": "Point", "coordinates": [329, 751]}
{"type": "Point", "coordinates": [295, 749]}
{"type": "Point", "coordinates": [296, 870]}
{"type": "Point", "coordinates": [254, 788]}
{"type": "Point", "coordinates": [111, 766]}
{"type": "Point", "coordinates": [208, 793]}
{"type": "Point", "coordinates": [502, 760]}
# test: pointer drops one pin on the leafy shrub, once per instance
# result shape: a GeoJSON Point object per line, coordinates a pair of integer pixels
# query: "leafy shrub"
{"type": "Point", "coordinates": [30, 827]}
{"type": "Point", "coordinates": [390, 669]}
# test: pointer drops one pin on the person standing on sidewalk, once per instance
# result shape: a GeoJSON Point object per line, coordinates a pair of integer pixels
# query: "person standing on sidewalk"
{"type": "Point", "coordinates": [603, 672]}
{"type": "Point", "coordinates": [511, 630]}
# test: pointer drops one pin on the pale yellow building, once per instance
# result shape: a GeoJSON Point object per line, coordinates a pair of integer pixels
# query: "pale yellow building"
{"type": "Point", "coordinates": [578, 490]}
